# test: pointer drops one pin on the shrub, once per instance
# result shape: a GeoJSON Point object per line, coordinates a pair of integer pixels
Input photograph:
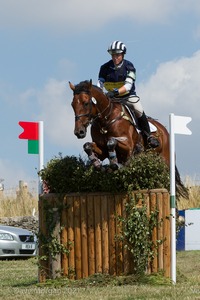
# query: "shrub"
{"type": "Point", "coordinates": [71, 174]}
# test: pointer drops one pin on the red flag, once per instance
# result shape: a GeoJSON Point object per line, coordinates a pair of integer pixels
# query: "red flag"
{"type": "Point", "coordinates": [31, 130]}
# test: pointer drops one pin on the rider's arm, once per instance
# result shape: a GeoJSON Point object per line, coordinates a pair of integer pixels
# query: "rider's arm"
{"type": "Point", "coordinates": [100, 83]}
{"type": "Point", "coordinates": [129, 81]}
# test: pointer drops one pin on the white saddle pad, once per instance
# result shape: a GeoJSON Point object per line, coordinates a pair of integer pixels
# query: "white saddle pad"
{"type": "Point", "coordinates": [152, 127]}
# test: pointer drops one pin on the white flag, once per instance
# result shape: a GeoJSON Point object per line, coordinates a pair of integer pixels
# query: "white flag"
{"type": "Point", "coordinates": [180, 125]}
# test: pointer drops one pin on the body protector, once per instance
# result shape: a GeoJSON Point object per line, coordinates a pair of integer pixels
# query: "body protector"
{"type": "Point", "coordinates": [113, 77]}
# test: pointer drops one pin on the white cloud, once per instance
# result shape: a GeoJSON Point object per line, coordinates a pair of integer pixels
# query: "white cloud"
{"type": "Point", "coordinates": [57, 114]}
{"type": "Point", "coordinates": [174, 88]}
{"type": "Point", "coordinates": [73, 15]}
{"type": "Point", "coordinates": [54, 110]}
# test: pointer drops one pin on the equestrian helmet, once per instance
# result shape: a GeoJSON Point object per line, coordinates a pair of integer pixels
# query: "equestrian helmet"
{"type": "Point", "coordinates": [116, 47]}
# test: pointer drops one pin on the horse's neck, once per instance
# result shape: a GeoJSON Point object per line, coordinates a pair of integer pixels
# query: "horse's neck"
{"type": "Point", "coordinates": [102, 100]}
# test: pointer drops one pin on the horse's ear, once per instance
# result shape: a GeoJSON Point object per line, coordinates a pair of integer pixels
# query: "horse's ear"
{"type": "Point", "coordinates": [90, 83]}
{"type": "Point", "coordinates": [72, 87]}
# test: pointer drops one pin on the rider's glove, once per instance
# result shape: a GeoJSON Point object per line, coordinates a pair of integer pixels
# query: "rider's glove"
{"type": "Point", "coordinates": [113, 93]}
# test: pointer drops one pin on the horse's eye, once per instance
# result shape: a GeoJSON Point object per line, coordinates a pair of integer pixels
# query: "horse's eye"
{"type": "Point", "coordinates": [86, 104]}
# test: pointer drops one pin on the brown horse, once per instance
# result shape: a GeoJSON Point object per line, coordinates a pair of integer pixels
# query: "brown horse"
{"type": "Point", "coordinates": [114, 133]}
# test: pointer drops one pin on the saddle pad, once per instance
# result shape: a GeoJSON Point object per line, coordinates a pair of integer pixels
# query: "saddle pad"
{"type": "Point", "coordinates": [152, 126]}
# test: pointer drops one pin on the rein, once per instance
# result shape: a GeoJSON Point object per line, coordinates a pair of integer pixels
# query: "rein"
{"type": "Point", "coordinates": [100, 115]}
{"type": "Point", "coordinates": [120, 116]}
{"type": "Point", "coordinates": [123, 114]}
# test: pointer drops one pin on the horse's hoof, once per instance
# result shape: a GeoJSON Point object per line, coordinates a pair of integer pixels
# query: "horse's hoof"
{"type": "Point", "coordinates": [115, 167]}
{"type": "Point", "coordinates": [97, 168]}
{"type": "Point", "coordinates": [104, 168]}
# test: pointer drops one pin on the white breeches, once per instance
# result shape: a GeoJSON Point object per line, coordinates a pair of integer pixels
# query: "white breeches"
{"type": "Point", "coordinates": [135, 104]}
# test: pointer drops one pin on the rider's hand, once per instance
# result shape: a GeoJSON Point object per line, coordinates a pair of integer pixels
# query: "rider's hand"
{"type": "Point", "coordinates": [113, 93]}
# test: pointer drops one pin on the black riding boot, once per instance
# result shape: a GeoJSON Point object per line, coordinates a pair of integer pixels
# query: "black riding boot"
{"type": "Point", "coordinates": [144, 127]}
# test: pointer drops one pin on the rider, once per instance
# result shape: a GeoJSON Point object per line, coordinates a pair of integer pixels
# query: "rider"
{"type": "Point", "coordinates": [117, 78]}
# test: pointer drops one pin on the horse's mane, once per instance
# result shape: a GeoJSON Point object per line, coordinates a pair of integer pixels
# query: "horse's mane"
{"type": "Point", "coordinates": [85, 87]}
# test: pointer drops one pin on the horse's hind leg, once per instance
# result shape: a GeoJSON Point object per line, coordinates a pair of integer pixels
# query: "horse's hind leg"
{"type": "Point", "coordinates": [88, 147]}
{"type": "Point", "coordinates": [111, 144]}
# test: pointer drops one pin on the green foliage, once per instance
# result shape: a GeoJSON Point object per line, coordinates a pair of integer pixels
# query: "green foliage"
{"type": "Point", "coordinates": [51, 242]}
{"type": "Point", "coordinates": [137, 233]}
{"type": "Point", "coordinates": [72, 174]}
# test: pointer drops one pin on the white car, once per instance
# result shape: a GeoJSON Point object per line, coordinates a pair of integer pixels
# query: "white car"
{"type": "Point", "coordinates": [17, 242]}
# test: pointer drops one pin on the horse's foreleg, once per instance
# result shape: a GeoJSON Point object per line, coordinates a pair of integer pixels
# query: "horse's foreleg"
{"type": "Point", "coordinates": [88, 148]}
{"type": "Point", "coordinates": [111, 144]}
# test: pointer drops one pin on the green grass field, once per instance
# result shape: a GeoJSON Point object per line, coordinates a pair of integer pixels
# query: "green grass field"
{"type": "Point", "coordinates": [19, 280]}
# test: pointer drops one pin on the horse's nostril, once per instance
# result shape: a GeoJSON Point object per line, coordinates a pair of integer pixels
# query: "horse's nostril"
{"type": "Point", "coordinates": [80, 133]}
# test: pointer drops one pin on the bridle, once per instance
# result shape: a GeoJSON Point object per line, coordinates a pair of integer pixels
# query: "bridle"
{"type": "Point", "coordinates": [89, 115]}
{"type": "Point", "coordinates": [100, 115]}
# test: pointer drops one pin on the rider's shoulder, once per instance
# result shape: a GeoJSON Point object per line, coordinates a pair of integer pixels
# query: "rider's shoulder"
{"type": "Point", "coordinates": [107, 64]}
{"type": "Point", "coordinates": [129, 65]}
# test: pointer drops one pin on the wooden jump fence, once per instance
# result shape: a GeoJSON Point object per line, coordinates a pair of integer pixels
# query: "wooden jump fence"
{"type": "Point", "coordinates": [87, 223]}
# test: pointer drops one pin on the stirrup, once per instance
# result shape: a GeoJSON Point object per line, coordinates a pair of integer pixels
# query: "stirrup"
{"type": "Point", "coordinates": [153, 142]}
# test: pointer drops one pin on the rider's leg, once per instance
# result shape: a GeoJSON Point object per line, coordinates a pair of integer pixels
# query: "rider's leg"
{"type": "Point", "coordinates": [134, 103]}
{"type": "Point", "coordinates": [91, 155]}
{"type": "Point", "coordinates": [144, 126]}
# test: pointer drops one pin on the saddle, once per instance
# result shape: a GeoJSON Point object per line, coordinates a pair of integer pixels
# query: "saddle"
{"type": "Point", "coordinates": [135, 122]}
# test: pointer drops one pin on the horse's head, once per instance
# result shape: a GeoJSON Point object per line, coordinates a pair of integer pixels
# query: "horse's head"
{"type": "Point", "coordinates": [83, 107]}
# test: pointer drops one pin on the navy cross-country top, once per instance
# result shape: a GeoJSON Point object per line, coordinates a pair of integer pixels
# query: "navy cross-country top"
{"type": "Point", "coordinates": [112, 76]}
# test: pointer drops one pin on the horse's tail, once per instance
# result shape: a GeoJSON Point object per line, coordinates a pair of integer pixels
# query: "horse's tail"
{"type": "Point", "coordinates": [181, 190]}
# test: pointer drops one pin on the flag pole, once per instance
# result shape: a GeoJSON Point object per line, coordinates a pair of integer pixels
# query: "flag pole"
{"type": "Point", "coordinates": [41, 155]}
{"type": "Point", "coordinates": [172, 198]}
{"type": "Point", "coordinates": [177, 125]}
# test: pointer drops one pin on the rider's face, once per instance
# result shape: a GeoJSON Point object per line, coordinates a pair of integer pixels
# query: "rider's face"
{"type": "Point", "coordinates": [117, 58]}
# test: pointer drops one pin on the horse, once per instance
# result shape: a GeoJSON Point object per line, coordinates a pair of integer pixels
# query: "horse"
{"type": "Point", "coordinates": [115, 135]}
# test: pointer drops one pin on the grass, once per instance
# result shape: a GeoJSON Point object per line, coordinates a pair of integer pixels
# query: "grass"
{"type": "Point", "coordinates": [21, 205]}
{"type": "Point", "coordinates": [194, 195]}
{"type": "Point", "coordinates": [18, 280]}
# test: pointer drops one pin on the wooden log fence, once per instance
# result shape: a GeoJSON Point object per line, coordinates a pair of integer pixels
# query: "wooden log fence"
{"type": "Point", "coordinates": [88, 225]}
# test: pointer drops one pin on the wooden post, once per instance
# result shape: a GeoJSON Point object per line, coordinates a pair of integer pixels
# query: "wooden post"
{"type": "Point", "coordinates": [77, 237]}
{"type": "Point", "coordinates": [159, 198]}
{"type": "Point", "coordinates": [64, 238]}
{"type": "Point", "coordinates": [84, 237]}
{"type": "Point", "coordinates": [104, 220]}
{"type": "Point", "coordinates": [91, 236]}
{"type": "Point", "coordinates": [166, 236]}
{"type": "Point", "coordinates": [98, 235]}
{"type": "Point", "coordinates": [154, 233]}
{"type": "Point", "coordinates": [70, 234]}
{"type": "Point", "coordinates": [111, 239]}
{"type": "Point", "coordinates": [119, 245]}
{"type": "Point", "coordinates": [55, 262]}
{"type": "Point", "coordinates": [43, 271]}
{"type": "Point", "coordinates": [88, 226]}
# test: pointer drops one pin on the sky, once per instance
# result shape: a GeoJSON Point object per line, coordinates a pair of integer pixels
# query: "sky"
{"type": "Point", "coordinates": [47, 43]}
